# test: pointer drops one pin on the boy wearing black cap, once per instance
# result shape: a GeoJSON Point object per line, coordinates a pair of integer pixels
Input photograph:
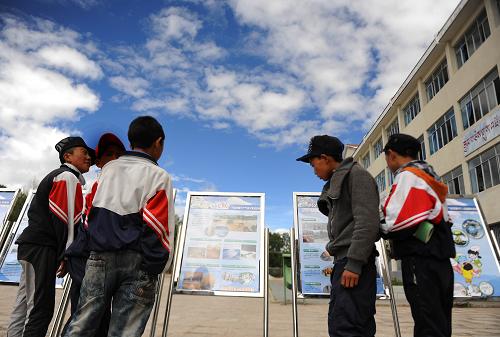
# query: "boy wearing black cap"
{"type": "Point", "coordinates": [55, 211]}
{"type": "Point", "coordinates": [351, 201]}
{"type": "Point", "coordinates": [416, 219]}
{"type": "Point", "coordinates": [108, 148]}
{"type": "Point", "coordinates": [131, 230]}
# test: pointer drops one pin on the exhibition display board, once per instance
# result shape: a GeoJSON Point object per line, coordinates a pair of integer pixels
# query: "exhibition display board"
{"type": "Point", "coordinates": [222, 246]}
{"type": "Point", "coordinates": [476, 267]}
{"type": "Point", "coordinates": [222, 249]}
{"type": "Point", "coordinates": [7, 199]}
{"type": "Point", "coordinates": [314, 263]}
{"type": "Point", "coordinates": [10, 269]}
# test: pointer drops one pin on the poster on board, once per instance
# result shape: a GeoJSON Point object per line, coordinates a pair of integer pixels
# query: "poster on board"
{"type": "Point", "coordinates": [476, 268]}
{"type": "Point", "coordinates": [222, 247]}
{"type": "Point", "coordinates": [315, 265]}
{"type": "Point", "coordinates": [6, 200]}
{"type": "Point", "coordinates": [10, 269]}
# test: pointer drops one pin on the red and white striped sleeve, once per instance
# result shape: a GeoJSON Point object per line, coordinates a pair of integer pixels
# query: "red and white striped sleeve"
{"type": "Point", "coordinates": [410, 202]}
{"type": "Point", "coordinates": [159, 215]}
{"type": "Point", "coordinates": [66, 201]}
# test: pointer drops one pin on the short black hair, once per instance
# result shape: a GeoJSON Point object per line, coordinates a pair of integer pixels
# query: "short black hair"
{"type": "Point", "coordinates": [144, 131]}
{"type": "Point", "coordinates": [403, 144]}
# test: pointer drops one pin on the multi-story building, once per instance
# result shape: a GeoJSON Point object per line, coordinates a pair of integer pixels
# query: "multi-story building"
{"type": "Point", "coordinates": [450, 102]}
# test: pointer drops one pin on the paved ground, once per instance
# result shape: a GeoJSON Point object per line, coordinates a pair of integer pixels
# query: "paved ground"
{"type": "Point", "coordinates": [196, 316]}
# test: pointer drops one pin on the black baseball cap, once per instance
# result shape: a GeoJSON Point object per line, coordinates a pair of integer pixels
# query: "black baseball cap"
{"type": "Point", "coordinates": [331, 146]}
{"type": "Point", "coordinates": [70, 142]}
{"type": "Point", "coordinates": [403, 144]}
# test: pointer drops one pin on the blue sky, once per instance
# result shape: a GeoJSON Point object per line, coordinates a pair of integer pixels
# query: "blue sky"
{"type": "Point", "coordinates": [240, 85]}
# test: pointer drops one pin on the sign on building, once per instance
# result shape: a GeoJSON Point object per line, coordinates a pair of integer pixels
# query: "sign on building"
{"type": "Point", "coordinates": [482, 132]}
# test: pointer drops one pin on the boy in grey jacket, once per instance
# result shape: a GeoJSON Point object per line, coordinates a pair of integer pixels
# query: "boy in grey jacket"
{"type": "Point", "coordinates": [351, 201]}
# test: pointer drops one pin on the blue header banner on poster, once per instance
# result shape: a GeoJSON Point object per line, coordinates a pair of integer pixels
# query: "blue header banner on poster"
{"type": "Point", "coordinates": [222, 250]}
{"type": "Point", "coordinates": [315, 264]}
{"type": "Point", "coordinates": [477, 272]}
{"type": "Point", "coordinates": [10, 269]}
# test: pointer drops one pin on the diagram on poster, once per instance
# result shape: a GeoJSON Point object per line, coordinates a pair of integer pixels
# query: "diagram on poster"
{"type": "Point", "coordinates": [477, 273]}
{"type": "Point", "coordinates": [10, 269]}
{"type": "Point", "coordinates": [315, 263]}
{"type": "Point", "coordinates": [222, 245]}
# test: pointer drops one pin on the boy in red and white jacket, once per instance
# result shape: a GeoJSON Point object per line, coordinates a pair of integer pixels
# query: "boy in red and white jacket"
{"type": "Point", "coordinates": [54, 213]}
{"type": "Point", "coordinates": [418, 200]}
{"type": "Point", "coordinates": [108, 148]}
{"type": "Point", "coordinates": [131, 232]}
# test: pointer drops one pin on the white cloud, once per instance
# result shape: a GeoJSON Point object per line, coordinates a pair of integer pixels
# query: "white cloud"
{"type": "Point", "coordinates": [38, 89]}
{"type": "Point", "coordinates": [133, 86]}
{"type": "Point", "coordinates": [67, 58]}
{"type": "Point", "coordinates": [325, 66]}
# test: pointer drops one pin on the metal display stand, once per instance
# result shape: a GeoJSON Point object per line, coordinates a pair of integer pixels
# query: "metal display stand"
{"type": "Point", "coordinates": [10, 236]}
{"type": "Point", "coordinates": [263, 264]}
{"type": "Point", "coordinates": [388, 281]}
{"type": "Point", "coordinates": [297, 292]}
{"type": "Point", "coordinates": [58, 324]}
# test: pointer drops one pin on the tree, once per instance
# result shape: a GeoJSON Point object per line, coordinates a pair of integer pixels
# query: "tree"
{"type": "Point", "coordinates": [275, 242]}
{"type": "Point", "coordinates": [17, 207]}
{"type": "Point", "coordinates": [3, 186]}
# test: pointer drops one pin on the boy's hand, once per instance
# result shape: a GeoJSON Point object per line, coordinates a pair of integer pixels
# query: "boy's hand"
{"type": "Point", "coordinates": [61, 271]}
{"type": "Point", "coordinates": [349, 279]}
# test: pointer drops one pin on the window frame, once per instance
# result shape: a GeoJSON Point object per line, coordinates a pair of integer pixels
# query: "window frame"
{"type": "Point", "coordinates": [437, 80]}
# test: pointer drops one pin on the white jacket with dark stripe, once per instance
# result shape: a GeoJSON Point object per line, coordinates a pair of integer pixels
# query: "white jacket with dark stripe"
{"type": "Point", "coordinates": [133, 209]}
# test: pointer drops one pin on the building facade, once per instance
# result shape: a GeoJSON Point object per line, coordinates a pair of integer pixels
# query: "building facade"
{"type": "Point", "coordinates": [450, 102]}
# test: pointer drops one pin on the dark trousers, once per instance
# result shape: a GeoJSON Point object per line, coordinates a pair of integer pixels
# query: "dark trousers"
{"type": "Point", "coordinates": [76, 269]}
{"type": "Point", "coordinates": [428, 285]}
{"type": "Point", "coordinates": [352, 310]}
{"type": "Point", "coordinates": [36, 296]}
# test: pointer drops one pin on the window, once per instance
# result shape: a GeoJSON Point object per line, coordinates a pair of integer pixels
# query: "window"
{"type": "Point", "coordinates": [437, 80]}
{"type": "Point", "coordinates": [421, 154]}
{"type": "Point", "coordinates": [412, 109]}
{"type": "Point", "coordinates": [477, 33]}
{"type": "Point", "coordinates": [481, 99]}
{"type": "Point", "coordinates": [455, 181]}
{"type": "Point", "coordinates": [393, 128]}
{"type": "Point", "coordinates": [366, 160]}
{"type": "Point", "coordinates": [483, 169]}
{"type": "Point", "coordinates": [380, 180]}
{"type": "Point", "coordinates": [443, 131]}
{"type": "Point", "coordinates": [378, 147]}
{"type": "Point", "coordinates": [390, 177]}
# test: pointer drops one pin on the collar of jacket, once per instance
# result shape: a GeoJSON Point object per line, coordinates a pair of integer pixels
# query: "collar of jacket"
{"type": "Point", "coordinates": [333, 187]}
{"type": "Point", "coordinates": [141, 154]}
{"type": "Point", "coordinates": [338, 177]}
{"type": "Point", "coordinates": [75, 171]}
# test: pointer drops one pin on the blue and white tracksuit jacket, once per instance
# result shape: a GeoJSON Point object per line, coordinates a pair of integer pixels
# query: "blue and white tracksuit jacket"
{"type": "Point", "coordinates": [133, 208]}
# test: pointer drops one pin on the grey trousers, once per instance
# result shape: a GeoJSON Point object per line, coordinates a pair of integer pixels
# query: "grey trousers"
{"type": "Point", "coordinates": [35, 300]}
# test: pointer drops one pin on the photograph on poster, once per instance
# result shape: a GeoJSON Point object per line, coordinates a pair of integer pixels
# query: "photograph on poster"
{"type": "Point", "coordinates": [477, 272]}
{"type": "Point", "coordinates": [222, 244]}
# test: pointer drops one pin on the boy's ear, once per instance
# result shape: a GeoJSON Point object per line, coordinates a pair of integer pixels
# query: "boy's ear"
{"type": "Point", "coordinates": [159, 141]}
{"type": "Point", "coordinates": [66, 156]}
